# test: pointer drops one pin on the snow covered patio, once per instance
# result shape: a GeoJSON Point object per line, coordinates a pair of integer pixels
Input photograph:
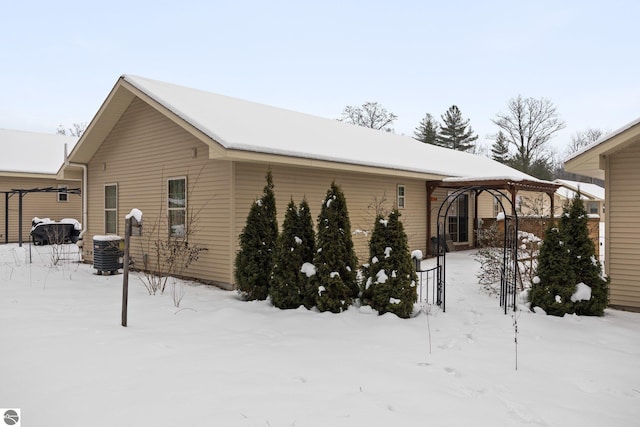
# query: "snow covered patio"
{"type": "Point", "coordinates": [217, 360]}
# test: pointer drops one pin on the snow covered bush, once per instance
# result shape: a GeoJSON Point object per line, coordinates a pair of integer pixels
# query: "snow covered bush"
{"type": "Point", "coordinates": [334, 286]}
{"type": "Point", "coordinates": [567, 264]}
{"type": "Point", "coordinates": [573, 226]}
{"type": "Point", "coordinates": [391, 279]}
{"type": "Point", "coordinates": [295, 248]}
{"type": "Point", "coordinates": [254, 260]}
{"type": "Point", "coordinates": [164, 254]}
{"type": "Point", "coordinates": [554, 283]}
{"type": "Point", "coordinates": [490, 255]}
{"type": "Point", "coordinates": [528, 251]}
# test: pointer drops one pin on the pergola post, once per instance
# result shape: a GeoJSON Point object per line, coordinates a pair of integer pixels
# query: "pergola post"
{"type": "Point", "coordinates": [430, 190]}
{"type": "Point", "coordinates": [20, 195]}
{"type": "Point", "coordinates": [6, 218]}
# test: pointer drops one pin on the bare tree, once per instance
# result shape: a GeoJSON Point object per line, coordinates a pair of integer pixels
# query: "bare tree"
{"type": "Point", "coordinates": [370, 115]}
{"type": "Point", "coordinates": [582, 138]}
{"type": "Point", "coordinates": [76, 130]}
{"type": "Point", "coordinates": [528, 125]}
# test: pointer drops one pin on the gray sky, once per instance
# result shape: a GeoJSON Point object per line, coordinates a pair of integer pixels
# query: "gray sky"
{"type": "Point", "coordinates": [61, 59]}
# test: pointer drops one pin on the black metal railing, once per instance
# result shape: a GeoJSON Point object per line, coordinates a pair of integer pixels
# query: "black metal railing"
{"type": "Point", "coordinates": [428, 285]}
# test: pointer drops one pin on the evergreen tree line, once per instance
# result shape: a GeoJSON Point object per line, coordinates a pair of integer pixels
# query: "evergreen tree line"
{"type": "Point", "coordinates": [454, 132]}
{"type": "Point", "coordinates": [520, 141]}
{"type": "Point", "coordinates": [567, 259]}
{"type": "Point", "coordinates": [300, 267]}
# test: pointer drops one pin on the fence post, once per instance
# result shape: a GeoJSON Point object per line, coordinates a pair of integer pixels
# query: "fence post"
{"type": "Point", "coordinates": [125, 270]}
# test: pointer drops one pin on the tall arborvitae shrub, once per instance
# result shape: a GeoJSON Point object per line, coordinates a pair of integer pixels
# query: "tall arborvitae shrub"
{"type": "Point", "coordinates": [308, 247]}
{"type": "Point", "coordinates": [295, 247]}
{"type": "Point", "coordinates": [391, 278]}
{"type": "Point", "coordinates": [335, 284]}
{"type": "Point", "coordinates": [573, 226]}
{"type": "Point", "coordinates": [254, 260]}
{"type": "Point", "coordinates": [554, 283]}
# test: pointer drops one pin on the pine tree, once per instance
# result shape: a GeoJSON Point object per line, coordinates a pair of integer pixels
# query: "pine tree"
{"type": "Point", "coordinates": [573, 225]}
{"type": "Point", "coordinates": [294, 248]}
{"type": "Point", "coordinates": [500, 149]}
{"type": "Point", "coordinates": [391, 281]}
{"type": "Point", "coordinates": [554, 283]}
{"type": "Point", "coordinates": [335, 284]}
{"type": "Point", "coordinates": [456, 133]}
{"type": "Point", "coordinates": [427, 130]}
{"type": "Point", "coordinates": [254, 260]}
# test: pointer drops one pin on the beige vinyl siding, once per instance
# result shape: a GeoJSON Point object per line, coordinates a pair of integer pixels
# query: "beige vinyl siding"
{"type": "Point", "coordinates": [144, 150]}
{"type": "Point", "coordinates": [485, 205]}
{"type": "Point", "coordinates": [623, 240]}
{"type": "Point", "coordinates": [486, 202]}
{"type": "Point", "coordinates": [361, 192]}
{"type": "Point", "coordinates": [42, 205]}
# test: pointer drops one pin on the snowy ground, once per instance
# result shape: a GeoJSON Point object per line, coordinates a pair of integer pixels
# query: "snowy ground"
{"type": "Point", "coordinates": [66, 361]}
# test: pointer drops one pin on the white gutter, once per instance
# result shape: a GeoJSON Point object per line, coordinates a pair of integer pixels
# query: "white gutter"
{"type": "Point", "coordinates": [84, 186]}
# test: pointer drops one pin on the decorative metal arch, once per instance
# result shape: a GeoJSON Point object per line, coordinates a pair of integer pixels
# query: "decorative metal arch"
{"type": "Point", "coordinates": [509, 270]}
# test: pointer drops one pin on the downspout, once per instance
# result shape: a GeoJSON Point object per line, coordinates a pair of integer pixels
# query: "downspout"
{"type": "Point", "coordinates": [84, 186]}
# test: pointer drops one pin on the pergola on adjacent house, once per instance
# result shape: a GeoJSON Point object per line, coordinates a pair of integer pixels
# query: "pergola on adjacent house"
{"type": "Point", "coordinates": [615, 158]}
{"type": "Point", "coordinates": [29, 182]}
{"type": "Point", "coordinates": [169, 150]}
{"type": "Point", "coordinates": [491, 187]}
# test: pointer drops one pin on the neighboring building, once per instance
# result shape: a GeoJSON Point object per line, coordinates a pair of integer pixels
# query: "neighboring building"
{"type": "Point", "coordinates": [30, 161]}
{"type": "Point", "coordinates": [615, 158]}
{"type": "Point", "coordinates": [173, 151]}
{"type": "Point", "coordinates": [592, 195]}
{"type": "Point", "coordinates": [532, 204]}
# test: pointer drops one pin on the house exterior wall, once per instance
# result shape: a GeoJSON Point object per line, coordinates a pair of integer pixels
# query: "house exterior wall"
{"type": "Point", "coordinates": [141, 153]}
{"type": "Point", "coordinates": [486, 204]}
{"type": "Point", "coordinates": [362, 193]}
{"type": "Point", "coordinates": [42, 205]}
{"type": "Point", "coordinates": [145, 148]}
{"type": "Point", "coordinates": [622, 244]}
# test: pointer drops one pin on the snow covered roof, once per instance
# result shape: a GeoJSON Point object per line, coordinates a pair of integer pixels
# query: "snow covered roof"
{"type": "Point", "coordinates": [587, 160]}
{"type": "Point", "coordinates": [31, 152]}
{"type": "Point", "coordinates": [248, 126]}
{"type": "Point", "coordinates": [603, 139]}
{"type": "Point", "coordinates": [586, 189]}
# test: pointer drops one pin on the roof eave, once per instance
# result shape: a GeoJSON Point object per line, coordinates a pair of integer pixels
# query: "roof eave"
{"type": "Point", "coordinates": [308, 162]}
{"type": "Point", "coordinates": [591, 160]}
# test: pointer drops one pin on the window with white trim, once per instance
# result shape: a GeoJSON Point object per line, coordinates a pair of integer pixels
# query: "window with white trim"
{"type": "Point", "coordinates": [497, 205]}
{"type": "Point", "coordinates": [63, 196]}
{"type": "Point", "coordinates": [593, 208]}
{"type": "Point", "coordinates": [401, 196]}
{"type": "Point", "coordinates": [111, 209]}
{"type": "Point", "coordinates": [177, 206]}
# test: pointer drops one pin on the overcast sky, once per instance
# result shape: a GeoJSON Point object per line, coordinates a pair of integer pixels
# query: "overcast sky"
{"type": "Point", "coordinates": [60, 59]}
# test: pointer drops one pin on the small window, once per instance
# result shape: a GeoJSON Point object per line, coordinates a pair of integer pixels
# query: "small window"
{"type": "Point", "coordinates": [63, 196]}
{"type": "Point", "coordinates": [401, 197]}
{"type": "Point", "coordinates": [177, 206]}
{"type": "Point", "coordinates": [592, 208]}
{"type": "Point", "coordinates": [497, 206]}
{"type": "Point", "coordinates": [111, 209]}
